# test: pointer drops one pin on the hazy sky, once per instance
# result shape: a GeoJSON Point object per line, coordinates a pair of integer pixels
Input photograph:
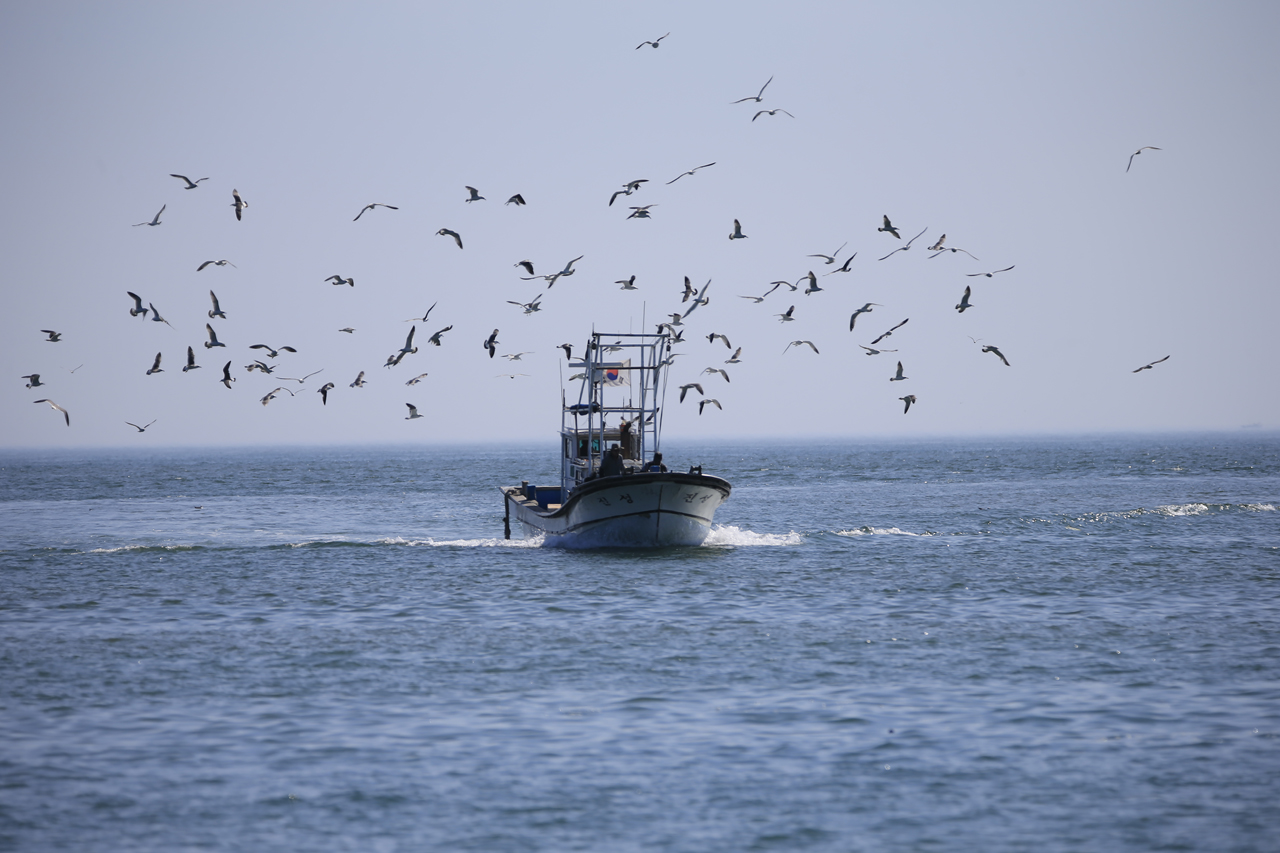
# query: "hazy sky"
{"type": "Point", "coordinates": [1006, 126]}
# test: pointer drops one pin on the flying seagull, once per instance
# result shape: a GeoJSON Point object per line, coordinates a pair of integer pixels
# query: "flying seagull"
{"type": "Point", "coordinates": [304, 378]}
{"type": "Point", "coordinates": [737, 231]}
{"type": "Point", "coordinates": [359, 383]}
{"type": "Point", "coordinates": [140, 428]}
{"type": "Point", "coordinates": [735, 358]}
{"type": "Point", "coordinates": [271, 396]}
{"type": "Point", "coordinates": [641, 212]}
{"type": "Point", "coordinates": [156, 318]}
{"type": "Point", "coordinates": [491, 343]}
{"type": "Point", "coordinates": [909, 399]}
{"type": "Point", "coordinates": [684, 389]}
{"type": "Point", "coordinates": [711, 339]}
{"type": "Point", "coordinates": [690, 172]}
{"type": "Point", "coordinates": [831, 258]}
{"type": "Point", "coordinates": [137, 305]}
{"type": "Point", "coordinates": [221, 263]}
{"type": "Point", "coordinates": [413, 412]}
{"type": "Point", "coordinates": [424, 317]}
{"type": "Point", "coordinates": [517, 200]}
{"type": "Point", "coordinates": [154, 221]}
{"type": "Point", "coordinates": [260, 365]}
{"type": "Point", "coordinates": [702, 404]}
{"type": "Point", "coordinates": [474, 194]}
{"type": "Point", "coordinates": [758, 96]}
{"type": "Point", "coordinates": [964, 301]}
{"type": "Point", "coordinates": [213, 338]}
{"type": "Point", "coordinates": [1136, 153]}
{"type": "Point", "coordinates": [35, 380]}
{"type": "Point", "coordinates": [529, 307]}
{"type": "Point", "coordinates": [988, 274]}
{"type": "Point", "coordinates": [415, 380]}
{"type": "Point", "coordinates": [1152, 364]}
{"type": "Point", "coordinates": [627, 189]}
{"type": "Point", "coordinates": [272, 352]}
{"type": "Point", "coordinates": [937, 249]}
{"type": "Point", "coordinates": [191, 185]}
{"type": "Point", "coordinates": [889, 227]}
{"type": "Point", "coordinates": [528, 266]}
{"type": "Point", "coordinates": [871, 351]}
{"type": "Point", "coordinates": [216, 311]}
{"type": "Point", "coordinates": [628, 283]}
{"type": "Point", "coordinates": [445, 232]}
{"type": "Point", "coordinates": [239, 204]}
{"type": "Point", "coordinates": [890, 332]}
{"type": "Point", "coordinates": [191, 361]}
{"type": "Point", "coordinates": [409, 348]}
{"type": "Point", "coordinates": [515, 356]}
{"type": "Point", "coordinates": [720, 370]}
{"type": "Point", "coordinates": [653, 44]}
{"type": "Point", "coordinates": [65, 413]}
{"type": "Point", "coordinates": [568, 351]}
{"type": "Point", "coordinates": [155, 366]}
{"type": "Point", "coordinates": [786, 316]}
{"type": "Point", "coordinates": [771, 112]}
{"type": "Point", "coordinates": [338, 280]}
{"type": "Point", "coordinates": [898, 376]}
{"type": "Point", "coordinates": [845, 266]}
{"type": "Point", "coordinates": [227, 378]}
{"type": "Point", "coordinates": [865, 309]}
{"type": "Point", "coordinates": [350, 330]}
{"type": "Point", "coordinates": [800, 344]}
{"type": "Point", "coordinates": [434, 340]}
{"type": "Point", "coordinates": [905, 246]}
{"type": "Point", "coordinates": [1000, 355]}
{"type": "Point", "coordinates": [372, 205]}
{"type": "Point", "coordinates": [812, 286]}
{"type": "Point", "coordinates": [323, 391]}
{"type": "Point", "coordinates": [54, 337]}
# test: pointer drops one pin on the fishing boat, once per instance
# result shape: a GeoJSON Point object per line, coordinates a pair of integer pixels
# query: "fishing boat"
{"type": "Point", "coordinates": [614, 489]}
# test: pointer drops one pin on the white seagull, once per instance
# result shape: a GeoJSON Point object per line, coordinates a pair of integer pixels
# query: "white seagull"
{"type": "Point", "coordinates": [771, 112]}
{"type": "Point", "coordinates": [800, 344]}
{"type": "Point", "coordinates": [213, 338]}
{"type": "Point", "coordinates": [987, 274]}
{"type": "Point", "coordinates": [154, 221]}
{"type": "Point", "coordinates": [221, 263]}
{"type": "Point", "coordinates": [758, 96]}
{"type": "Point", "coordinates": [690, 172]}
{"type": "Point", "coordinates": [65, 413]}
{"type": "Point", "coordinates": [239, 204]}
{"type": "Point", "coordinates": [191, 185]}
{"type": "Point", "coordinates": [155, 366]}
{"type": "Point", "coordinates": [909, 399]}
{"type": "Point", "coordinates": [865, 309]}
{"type": "Point", "coordinates": [1000, 355]}
{"type": "Point", "coordinates": [359, 383]}
{"type": "Point", "coordinates": [737, 231]}
{"type": "Point", "coordinates": [372, 206]}
{"type": "Point", "coordinates": [191, 361]}
{"type": "Point", "coordinates": [964, 301]}
{"type": "Point", "coordinates": [1136, 153]}
{"type": "Point", "coordinates": [898, 377]}
{"type": "Point", "coordinates": [156, 318]}
{"type": "Point", "coordinates": [323, 391]}
{"type": "Point", "coordinates": [227, 378]}
{"type": "Point", "coordinates": [413, 412]}
{"type": "Point", "coordinates": [473, 194]}
{"type": "Point", "coordinates": [216, 311]}
{"type": "Point", "coordinates": [905, 246]}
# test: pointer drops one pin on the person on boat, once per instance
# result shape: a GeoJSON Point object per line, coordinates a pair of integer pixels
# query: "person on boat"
{"type": "Point", "coordinates": [656, 464]}
{"type": "Point", "coordinates": [612, 465]}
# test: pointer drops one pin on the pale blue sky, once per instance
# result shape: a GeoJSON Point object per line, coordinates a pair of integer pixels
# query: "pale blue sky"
{"type": "Point", "coordinates": [1006, 126]}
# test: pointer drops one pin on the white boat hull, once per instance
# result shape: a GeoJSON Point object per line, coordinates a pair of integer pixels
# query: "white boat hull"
{"type": "Point", "coordinates": [651, 510]}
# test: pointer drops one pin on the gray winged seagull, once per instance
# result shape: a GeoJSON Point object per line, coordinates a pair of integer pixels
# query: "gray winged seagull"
{"type": "Point", "coordinates": [1151, 365]}
{"type": "Point", "coordinates": [213, 338]}
{"type": "Point", "coordinates": [1136, 153]}
{"type": "Point", "coordinates": [139, 428]}
{"type": "Point", "coordinates": [996, 352]}
{"type": "Point", "coordinates": [191, 185]}
{"type": "Point", "coordinates": [216, 311]}
{"type": "Point", "coordinates": [155, 220]}
{"type": "Point", "coordinates": [238, 203]}
{"type": "Point", "coordinates": [413, 412]}
{"type": "Point", "coordinates": [759, 96]}
{"type": "Point", "coordinates": [227, 378]}
{"type": "Point", "coordinates": [65, 413]}
{"type": "Point", "coordinates": [372, 205]}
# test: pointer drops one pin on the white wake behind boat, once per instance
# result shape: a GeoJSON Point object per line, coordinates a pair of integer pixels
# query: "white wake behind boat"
{"type": "Point", "coordinates": [609, 495]}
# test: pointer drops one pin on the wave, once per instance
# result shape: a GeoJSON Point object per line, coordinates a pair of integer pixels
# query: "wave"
{"type": "Point", "coordinates": [144, 548]}
{"type": "Point", "coordinates": [728, 535]}
{"type": "Point", "coordinates": [533, 542]}
{"type": "Point", "coordinates": [880, 531]}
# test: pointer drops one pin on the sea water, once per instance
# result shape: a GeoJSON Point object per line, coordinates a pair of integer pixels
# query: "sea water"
{"type": "Point", "coordinates": [990, 644]}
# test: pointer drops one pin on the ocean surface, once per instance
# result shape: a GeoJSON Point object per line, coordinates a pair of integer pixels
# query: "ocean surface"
{"type": "Point", "coordinates": [988, 645]}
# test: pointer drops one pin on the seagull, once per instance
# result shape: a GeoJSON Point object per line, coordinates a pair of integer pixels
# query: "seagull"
{"type": "Point", "coordinates": [757, 97]}
{"type": "Point", "coordinates": [786, 317]}
{"type": "Point", "coordinates": [831, 258]}
{"type": "Point", "coordinates": [684, 389]}
{"type": "Point", "coordinates": [865, 309]}
{"type": "Point", "coordinates": [35, 380]}
{"type": "Point", "coordinates": [304, 378]}
{"type": "Point", "coordinates": [711, 339]}
{"type": "Point", "coordinates": [272, 395]}
{"type": "Point", "coordinates": [154, 221]}
{"type": "Point", "coordinates": [227, 378]}
{"type": "Point", "coordinates": [434, 340]}
{"type": "Point", "coordinates": [641, 212]}
{"type": "Point", "coordinates": [690, 172]}
{"type": "Point", "coordinates": [213, 336]}
{"type": "Point", "coordinates": [350, 330]}
{"type": "Point", "coordinates": [812, 287]}
{"type": "Point", "coordinates": [529, 307]}
{"type": "Point", "coordinates": [1154, 363]}
{"type": "Point", "coordinates": [689, 290]}
{"type": "Point", "coordinates": [140, 428]}
{"type": "Point", "coordinates": [259, 365]}
{"type": "Point", "coordinates": [777, 284]}
{"type": "Point", "coordinates": [628, 283]}
{"type": "Point", "coordinates": [239, 204]}
{"type": "Point", "coordinates": [527, 264]}
{"type": "Point", "coordinates": [415, 380]}
{"type": "Point", "coordinates": [421, 319]}
{"type": "Point", "coordinates": [771, 112]}
{"type": "Point", "coordinates": [653, 44]}
{"type": "Point", "coordinates": [1000, 355]}
{"type": "Point", "coordinates": [155, 366]}
{"type": "Point", "coordinates": [800, 344]}
{"type": "Point", "coordinates": [191, 185]}
{"type": "Point", "coordinates": [964, 301]}
{"type": "Point", "coordinates": [898, 377]}
{"type": "Point", "coordinates": [871, 351]}
{"type": "Point", "coordinates": [720, 370]}
{"type": "Point", "coordinates": [736, 358]}
{"type": "Point", "coordinates": [372, 206]}
{"type": "Point", "coordinates": [474, 194]}
{"type": "Point", "coordinates": [65, 413]}
{"type": "Point", "coordinates": [272, 353]}
{"type": "Point", "coordinates": [703, 404]}
{"type": "Point", "coordinates": [699, 300]}
{"type": "Point", "coordinates": [216, 311]}
{"type": "Point", "coordinates": [517, 200]}
{"type": "Point", "coordinates": [323, 391]}
{"type": "Point", "coordinates": [156, 318]}
{"type": "Point", "coordinates": [221, 263]}
{"type": "Point", "coordinates": [394, 359]}
{"type": "Point", "coordinates": [509, 375]}
{"type": "Point", "coordinates": [413, 412]}
{"type": "Point", "coordinates": [338, 280]}
{"type": "Point", "coordinates": [988, 274]}
{"type": "Point", "coordinates": [1136, 153]}
{"type": "Point", "coordinates": [890, 332]}
{"type": "Point", "coordinates": [515, 356]}
{"type": "Point", "coordinates": [737, 231]}
{"type": "Point", "coordinates": [755, 299]}
{"type": "Point", "coordinates": [359, 383]}
{"type": "Point", "coordinates": [904, 247]}
{"type": "Point", "coordinates": [627, 189]}
{"type": "Point", "coordinates": [445, 232]}
{"type": "Point", "coordinates": [567, 271]}
{"type": "Point", "coordinates": [137, 305]}
{"type": "Point", "coordinates": [909, 399]}
{"type": "Point", "coordinates": [568, 351]}
{"type": "Point", "coordinates": [491, 343]}
{"type": "Point", "coordinates": [409, 348]}
{"type": "Point", "coordinates": [888, 226]}
{"type": "Point", "coordinates": [191, 361]}
{"type": "Point", "coordinates": [845, 267]}
{"type": "Point", "coordinates": [937, 249]}
{"type": "Point", "coordinates": [54, 337]}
